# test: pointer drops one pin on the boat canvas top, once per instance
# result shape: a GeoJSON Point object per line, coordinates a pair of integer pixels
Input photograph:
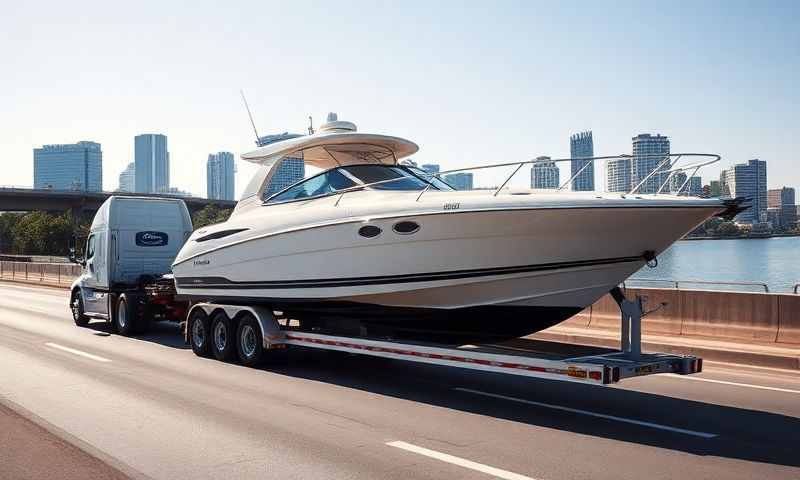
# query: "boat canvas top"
{"type": "Point", "coordinates": [337, 143]}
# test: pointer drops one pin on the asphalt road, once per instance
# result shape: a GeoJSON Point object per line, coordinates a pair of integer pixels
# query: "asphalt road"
{"type": "Point", "coordinates": [150, 408]}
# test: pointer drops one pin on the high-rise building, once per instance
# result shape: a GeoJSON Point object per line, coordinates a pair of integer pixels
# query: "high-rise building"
{"type": "Point", "coordinates": [782, 201]}
{"type": "Point", "coordinates": [152, 163]}
{"type": "Point", "coordinates": [747, 180]}
{"type": "Point", "coordinates": [581, 145]}
{"type": "Point", "coordinates": [714, 188]}
{"type": "Point", "coordinates": [618, 175]}
{"type": "Point", "coordinates": [72, 166]}
{"type": "Point", "coordinates": [127, 179]}
{"type": "Point", "coordinates": [460, 181]}
{"type": "Point", "coordinates": [291, 169]}
{"type": "Point", "coordinates": [649, 152]}
{"type": "Point", "coordinates": [544, 174]}
{"type": "Point", "coordinates": [220, 170]}
{"type": "Point", "coordinates": [680, 184]}
{"type": "Point", "coordinates": [430, 167]}
{"type": "Point", "coordinates": [695, 186]}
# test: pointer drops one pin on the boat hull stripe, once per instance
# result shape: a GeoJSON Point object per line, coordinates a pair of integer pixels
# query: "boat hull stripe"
{"type": "Point", "coordinates": [221, 283]}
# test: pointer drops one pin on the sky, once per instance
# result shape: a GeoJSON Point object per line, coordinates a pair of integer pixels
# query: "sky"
{"type": "Point", "coordinates": [471, 82]}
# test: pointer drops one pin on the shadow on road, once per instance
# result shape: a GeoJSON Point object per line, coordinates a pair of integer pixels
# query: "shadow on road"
{"type": "Point", "coordinates": [162, 333]}
{"type": "Point", "coordinates": [742, 433]}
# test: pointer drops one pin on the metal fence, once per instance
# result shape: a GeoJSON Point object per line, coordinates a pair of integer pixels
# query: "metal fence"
{"type": "Point", "coordinates": [55, 273]}
{"type": "Point", "coordinates": [676, 284]}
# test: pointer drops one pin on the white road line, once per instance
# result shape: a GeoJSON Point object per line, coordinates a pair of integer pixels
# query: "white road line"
{"type": "Point", "coordinates": [736, 384]}
{"type": "Point", "coordinates": [77, 352]}
{"type": "Point", "coordinates": [461, 462]}
{"type": "Point", "coordinates": [593, 414]}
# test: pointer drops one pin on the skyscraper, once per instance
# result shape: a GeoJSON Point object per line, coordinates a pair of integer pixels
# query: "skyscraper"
{"type": "Point", "coordinates": [695, 186]}
{"type": "Point", "coordinates": [290, 171]}
{"type": "Point", "coordinates": [430, 167]}
{"type": "Point", "coordinates": [783, 201]}
{"type": "Point", "coordinates": [747, 180]}
{"type": "Point", "coordinates": [618, 175]}
{"type": "Point", "coordinates": [459, 181]}
{"type": "Point", "coordinates": [220, 171]}
{"type": "Point", "coordinates": [581, 145]}
{"type": "Point", "coordinates": [152, 163]}
{"type": "Point", "coordinates": [72, 166]}
{"type": "Point", "coordinates": [544, 174]}
{"type": "Point", "coordinates": [127, 179]}
{"type": "Point", "coordinates": [649, 151]}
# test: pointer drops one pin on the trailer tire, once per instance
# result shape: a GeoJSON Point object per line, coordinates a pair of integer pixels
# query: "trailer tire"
{"type": "Point", "coordinates": [249, 341]}
{"type": "Point", "coordinates": [199, 332]}
{"type": "Point", "coordinates": [125, 316]}
{"type": "Point", "coordinates": [76, 306]}
{"type": "Point", "coordinates": [223, 337]}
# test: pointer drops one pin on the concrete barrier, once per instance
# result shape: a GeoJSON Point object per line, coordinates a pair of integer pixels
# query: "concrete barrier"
{"type": "Point", "coordinates": [789, 315]}
{"type": "Point", "coordinates": [763, 317]}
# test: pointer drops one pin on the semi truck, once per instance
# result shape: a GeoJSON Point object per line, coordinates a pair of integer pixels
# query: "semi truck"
{"type": "Point", "coordinates": [126, 281]}
{"type": "Point", "coordinates": [126, 264]}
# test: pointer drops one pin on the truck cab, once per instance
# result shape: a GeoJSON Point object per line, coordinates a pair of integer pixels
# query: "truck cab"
{"type": "Point", "coordinates": [131, 245]}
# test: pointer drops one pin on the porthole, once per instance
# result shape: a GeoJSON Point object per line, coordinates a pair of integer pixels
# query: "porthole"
{"type": "Point", "coordinates": [369, 231]}
{"type": "Point", "coordinates": [406, 227]}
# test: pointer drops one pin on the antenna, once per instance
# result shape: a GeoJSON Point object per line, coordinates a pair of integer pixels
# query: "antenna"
{"type": "Point", "coordinates": [310, 125]}
{"type": "Point", "coordinates": [258, 139]}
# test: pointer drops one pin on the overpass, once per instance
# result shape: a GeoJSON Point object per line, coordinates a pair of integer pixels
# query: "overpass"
{"type": "Point", "coordinates": [21, 199]}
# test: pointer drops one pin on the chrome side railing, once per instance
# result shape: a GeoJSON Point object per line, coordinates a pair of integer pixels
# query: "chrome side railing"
{"type": "Point", "coordinates": [666, 167]}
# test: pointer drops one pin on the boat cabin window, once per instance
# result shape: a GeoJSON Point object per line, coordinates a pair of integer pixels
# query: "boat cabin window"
{"type": "Point", "coordinates": [385, 177]}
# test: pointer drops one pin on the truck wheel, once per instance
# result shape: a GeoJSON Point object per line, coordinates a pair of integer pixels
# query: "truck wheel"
{"type": "Point", "coordinates": [249, 342]}
{"type": "Point", "coordinates": [125, 316]}
{"type": "Point", "coordinates": [223, 337]}
{"type": "Point", "coordinates": [76, 305]}
{"type": "Point", "coordinates": [199, 332]}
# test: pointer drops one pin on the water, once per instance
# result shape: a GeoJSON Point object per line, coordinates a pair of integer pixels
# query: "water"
{"type": "Point", "coordinates": [774, 261]}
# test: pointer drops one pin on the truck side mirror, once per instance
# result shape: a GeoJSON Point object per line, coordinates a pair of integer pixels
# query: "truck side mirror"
{"type": "Point", "coordinates": [72, 255]}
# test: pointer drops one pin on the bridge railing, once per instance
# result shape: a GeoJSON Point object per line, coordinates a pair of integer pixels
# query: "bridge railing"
{"type": "Point", "coordinates": [50, 273]}
{"type": "Point", "coordinates": [676, 284]}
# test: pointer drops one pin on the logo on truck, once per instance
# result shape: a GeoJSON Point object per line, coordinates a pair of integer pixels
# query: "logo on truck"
{"type": "Point", "coordinates": [151, 239]}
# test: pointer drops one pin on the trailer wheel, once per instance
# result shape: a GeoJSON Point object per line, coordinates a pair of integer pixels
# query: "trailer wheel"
{"type": "Point", "coordinates": [76, 306]}
{"type": "Point", "coordinates": [223, 337]}
{"type": "Point", "coordinates": [199, 333]}
{"type": "Point", "coordinates": [125, 316]}
{"type": "Point", "coordinates": [249, 341]}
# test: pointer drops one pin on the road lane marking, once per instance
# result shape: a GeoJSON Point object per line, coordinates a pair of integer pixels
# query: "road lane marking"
{"type": "Point", "coordinates": [77, 352]}
{"type": "Point", "coordinates": [461, 462]}
{"type": "Point", "coordinates": [592, 414]}
{"type": "Point", "coordinates": [736, 384]}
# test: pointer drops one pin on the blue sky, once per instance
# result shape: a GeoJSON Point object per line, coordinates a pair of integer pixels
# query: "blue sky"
{"type": "Point", "coordinates": [472, 84]}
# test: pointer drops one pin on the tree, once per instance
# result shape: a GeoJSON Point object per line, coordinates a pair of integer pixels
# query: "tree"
{"type": "Point", "coordinates": [7, 222]}
{"type": "Point", "coordinates": [727, 229]}
{"type": "Point", "coordinates": [40, 233]}
{"type": "Point", "coordinates": [209, 215]}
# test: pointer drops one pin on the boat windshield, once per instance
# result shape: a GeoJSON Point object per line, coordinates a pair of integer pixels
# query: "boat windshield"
{"type": "Point", "coordinates": [392, 177]}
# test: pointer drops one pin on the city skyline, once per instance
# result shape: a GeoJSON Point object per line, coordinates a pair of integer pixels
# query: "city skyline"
{"type": "Point", "coordinates": [710, 93]}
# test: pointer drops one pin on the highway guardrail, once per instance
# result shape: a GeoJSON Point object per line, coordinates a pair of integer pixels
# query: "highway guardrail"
{"type": "Point", "coordinates": [58, 273]}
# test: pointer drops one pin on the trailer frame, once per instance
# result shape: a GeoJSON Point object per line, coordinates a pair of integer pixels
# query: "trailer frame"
{"type": "Point", "coordinates": [601, 369]}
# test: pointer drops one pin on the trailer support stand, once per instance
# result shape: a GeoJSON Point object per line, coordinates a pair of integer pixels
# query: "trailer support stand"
{"type": "Point", "coordinates": [631, 328]}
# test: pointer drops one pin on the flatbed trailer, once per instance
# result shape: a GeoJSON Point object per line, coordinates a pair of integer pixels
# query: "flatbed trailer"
{"type": "Point", "coordinates": [211, 326]}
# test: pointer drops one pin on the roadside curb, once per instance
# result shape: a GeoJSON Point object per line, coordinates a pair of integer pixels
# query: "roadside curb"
{"type": "Point", "coordinates": [772, 360]}
{"type": "Point", "coordinates": [37, 283]}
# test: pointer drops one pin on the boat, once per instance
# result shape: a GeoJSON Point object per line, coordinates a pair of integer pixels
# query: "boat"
{"type": "Point", "coordinates": [373, 246]}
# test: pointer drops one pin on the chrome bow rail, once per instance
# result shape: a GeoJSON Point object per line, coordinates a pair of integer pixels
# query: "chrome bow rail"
{"type": "Point", "coordinates": [666, 168]}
